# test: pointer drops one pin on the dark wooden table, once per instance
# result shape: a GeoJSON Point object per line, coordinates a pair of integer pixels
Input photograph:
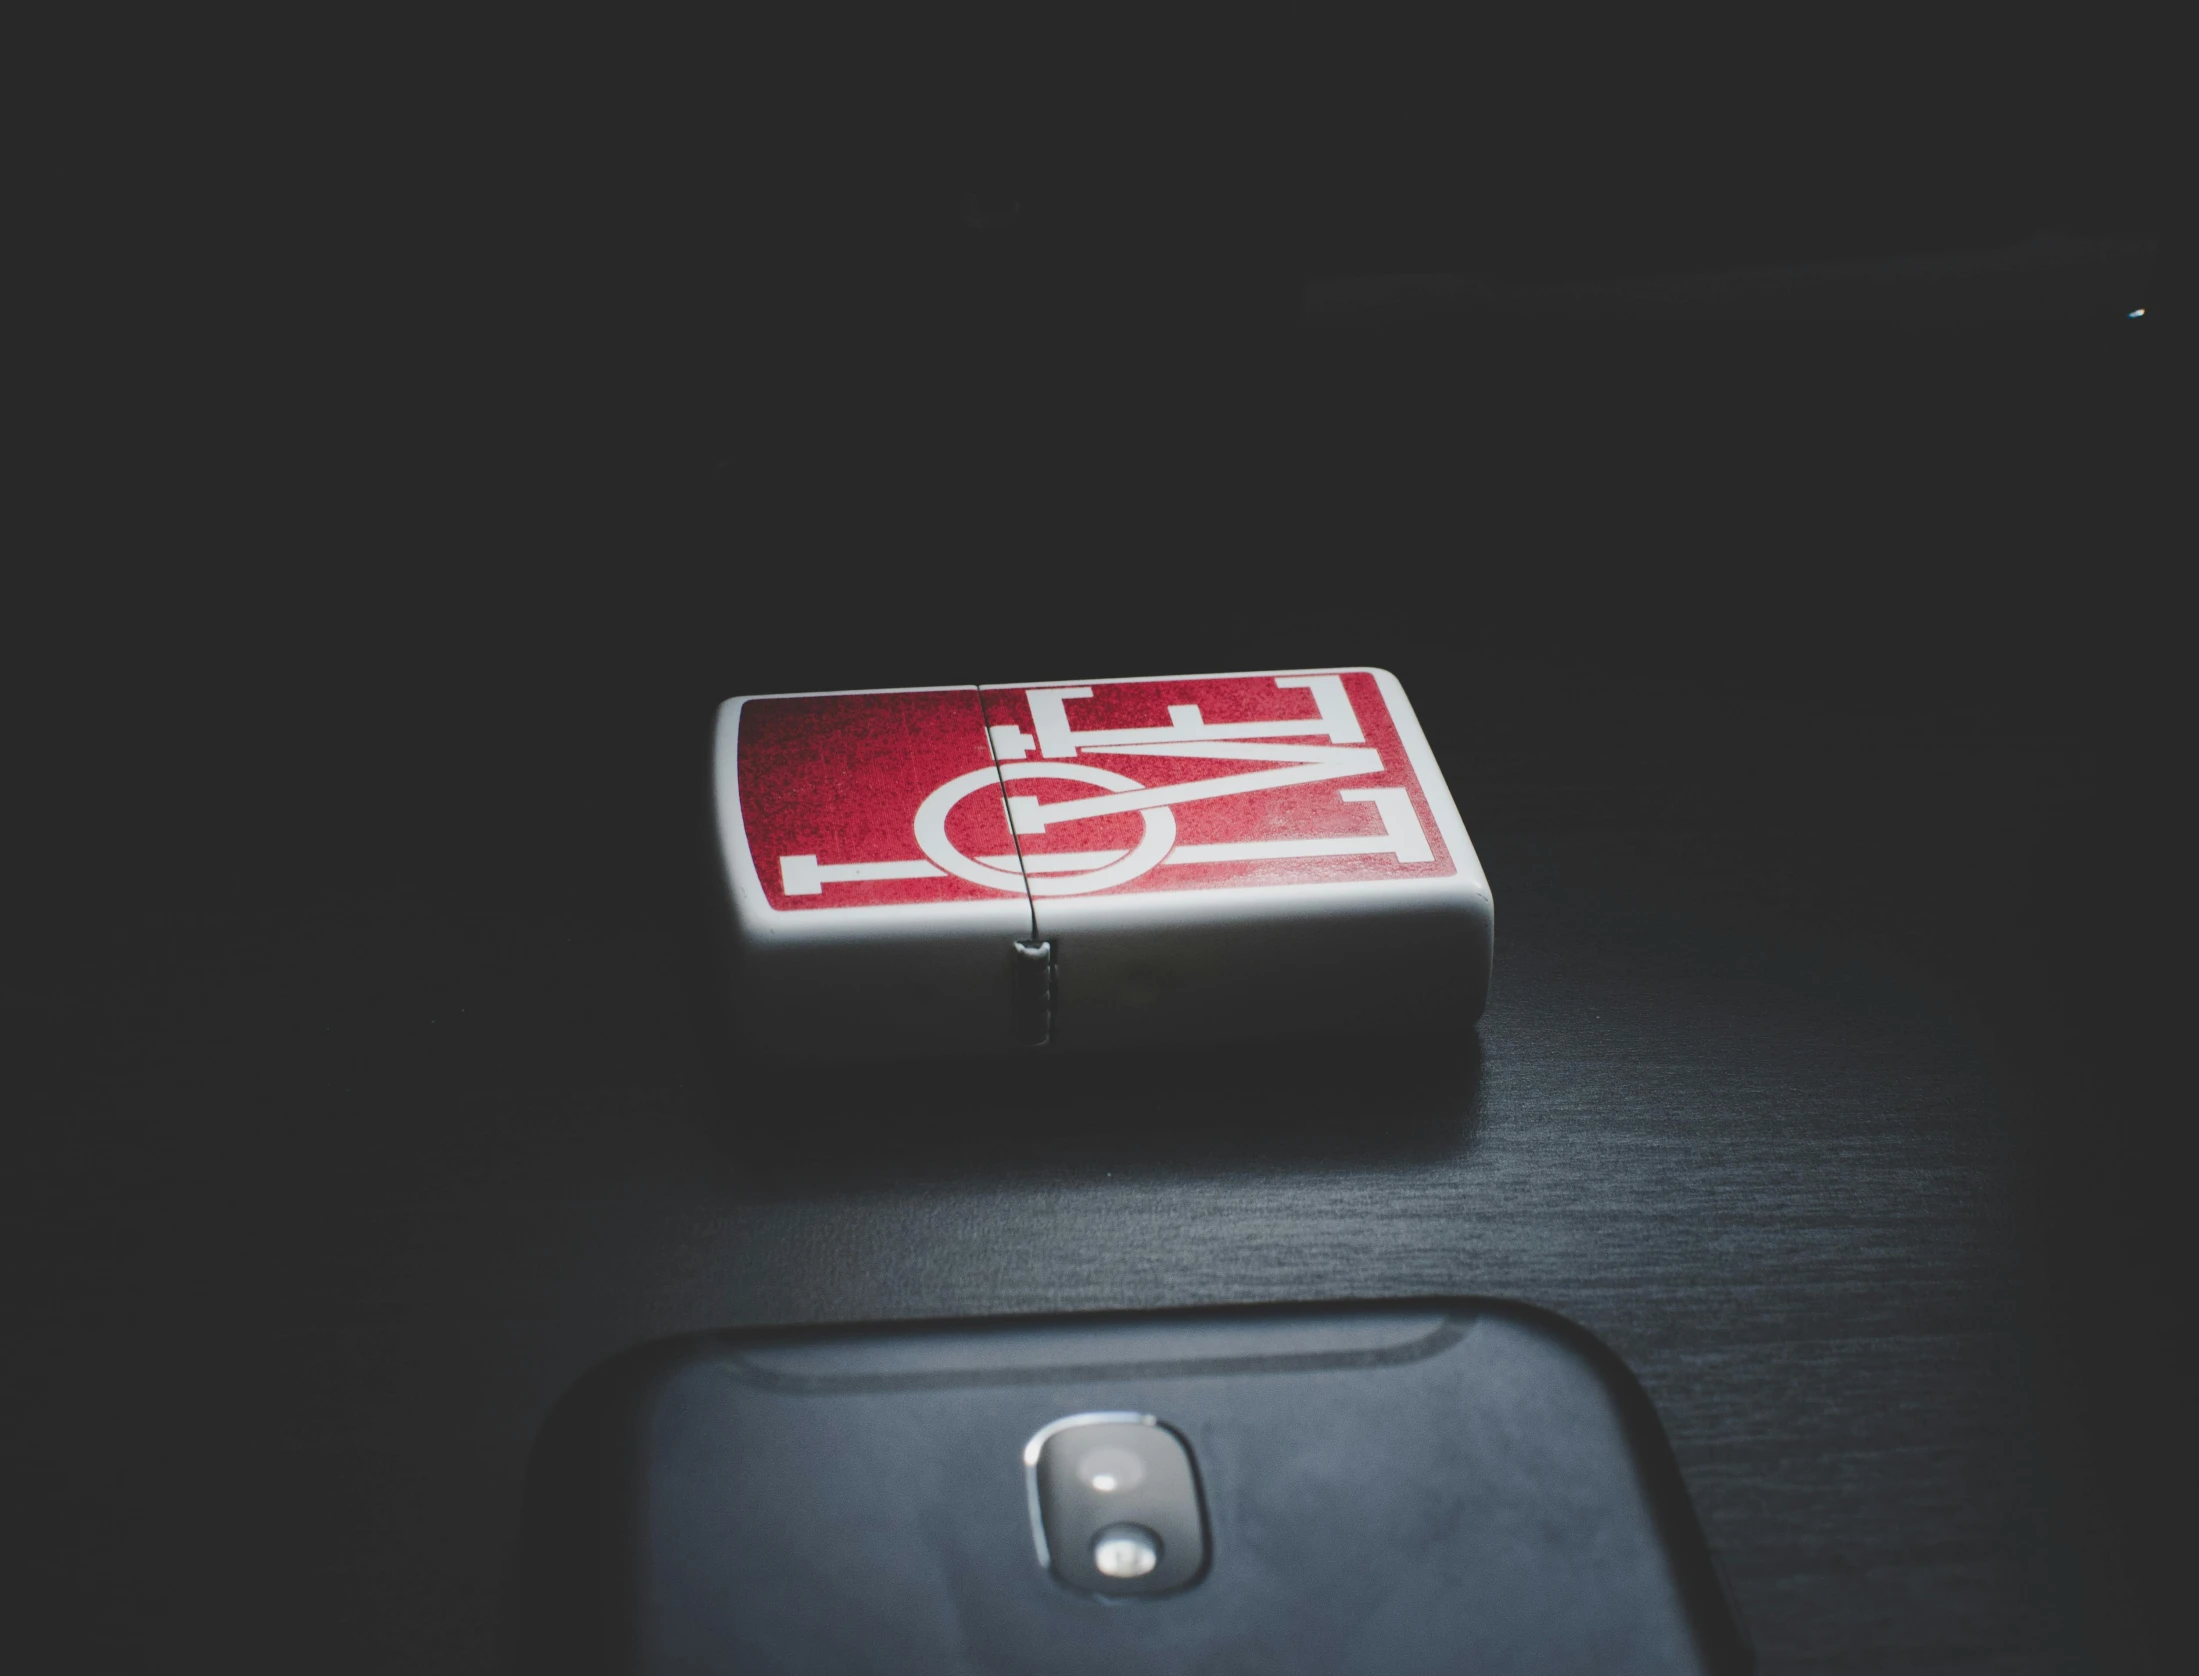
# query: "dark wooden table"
{"type": "Point", "coordinates": [370, 1105]}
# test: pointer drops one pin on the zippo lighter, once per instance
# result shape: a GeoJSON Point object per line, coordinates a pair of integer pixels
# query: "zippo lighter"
{"type": "Point", "coordinates": [1097, 864]}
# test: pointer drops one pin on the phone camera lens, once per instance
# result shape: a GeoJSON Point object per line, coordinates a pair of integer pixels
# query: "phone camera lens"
{"type": "Point", "coordinates": [1115, 1505]}
{"type": "Point", "coordinates": [1124, 1551]}
{"type": "Point", "coordinates": [1110, 1470]}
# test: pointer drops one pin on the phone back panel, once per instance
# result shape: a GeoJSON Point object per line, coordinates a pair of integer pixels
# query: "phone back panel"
{"type": "Point", "coordinates": [1426, 1487]}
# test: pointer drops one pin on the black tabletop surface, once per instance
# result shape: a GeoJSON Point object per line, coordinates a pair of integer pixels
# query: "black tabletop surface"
{"type": "Point", "coordinates": [1805, 693]}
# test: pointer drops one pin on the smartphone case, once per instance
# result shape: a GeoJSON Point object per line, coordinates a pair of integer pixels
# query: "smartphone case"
{"type": "Point", "coordinates": [1428, 1486]}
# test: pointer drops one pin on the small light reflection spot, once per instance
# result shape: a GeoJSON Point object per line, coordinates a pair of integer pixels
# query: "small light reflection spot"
{"type": "Point", "coordinates": [1108, 1469]}
{"type": "Point", "coordinates": [2136, 314]}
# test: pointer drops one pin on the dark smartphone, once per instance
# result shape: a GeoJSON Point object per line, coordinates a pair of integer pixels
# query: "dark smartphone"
{"type": "Point", "coordinates": [1445, 1485]}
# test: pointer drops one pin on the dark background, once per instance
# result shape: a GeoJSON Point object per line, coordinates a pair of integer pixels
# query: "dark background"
{"type": "Point", "coordinates": [443, 425]}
